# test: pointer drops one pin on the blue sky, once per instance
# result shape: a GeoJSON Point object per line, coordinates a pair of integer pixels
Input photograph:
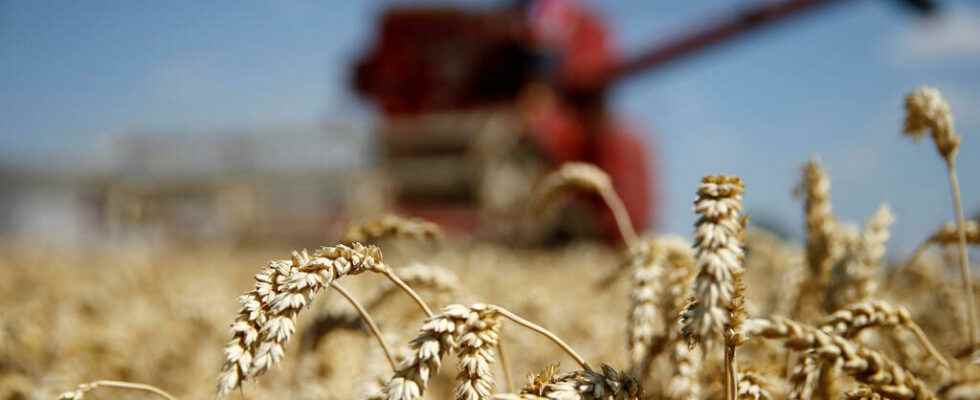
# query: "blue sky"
{"type": "Point", "coordinates": [73, 74]}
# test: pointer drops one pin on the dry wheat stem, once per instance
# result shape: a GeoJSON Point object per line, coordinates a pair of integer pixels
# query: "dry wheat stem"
{"type": "Point", "coordinates": [81, 390]}
{"type": "Point", "coordinates": [408, 290]}
{"type": "Point", "coordinates": [589, 177]}
{"type": "Point", "coordinates": [965, 273]}
{"type": "Point", "coordinates": [864, 365]}
{"type": "Point", "coordinates": [418, 276]}
{"type": "Point", "coordinates": [367, 318]}
{"type": "Point", "coordinates": [544, 332]}
{"type": "Point", "coordinates": [505, 367]}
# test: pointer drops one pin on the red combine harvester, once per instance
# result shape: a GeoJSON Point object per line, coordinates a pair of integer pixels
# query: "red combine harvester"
{"type": "Point", "coordinates": [477, 104]}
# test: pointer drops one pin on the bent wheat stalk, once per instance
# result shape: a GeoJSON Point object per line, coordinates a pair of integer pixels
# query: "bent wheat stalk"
{"type": "Point", "coordinates": [367, 319]}
{"type": "Point", "coordinates": [927, 110]}
{"type": "Point", "coordinates": [80, 392]}
{"type": "Point", "coordinates": [589, 177]}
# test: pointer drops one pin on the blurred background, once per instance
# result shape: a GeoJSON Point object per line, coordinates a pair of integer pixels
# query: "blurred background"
{"type": "Point", "coordinates": [244, 122]}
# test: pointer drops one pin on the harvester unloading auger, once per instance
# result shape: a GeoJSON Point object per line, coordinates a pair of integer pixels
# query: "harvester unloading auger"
{"type": "Point", "coordinates": [477, 104]}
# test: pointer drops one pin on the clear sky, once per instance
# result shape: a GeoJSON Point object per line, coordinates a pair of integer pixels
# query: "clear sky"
{"type": "Point", "coordinates": [75, 73]}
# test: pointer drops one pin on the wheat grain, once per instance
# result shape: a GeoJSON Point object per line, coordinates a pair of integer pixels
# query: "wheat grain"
{"type": "Point", "coordinates": [864, 365]}
{"type": "Point", "coordinates": [393, 226]}
{"type": "Point", "coordinates": [435, 340]}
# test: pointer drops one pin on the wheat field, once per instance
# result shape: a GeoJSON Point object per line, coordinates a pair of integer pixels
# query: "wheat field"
{"type": "Point", "coordinates": [396, 309]}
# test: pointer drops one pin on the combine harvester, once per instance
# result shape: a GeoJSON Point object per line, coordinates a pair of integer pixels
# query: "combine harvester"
{"type": "Point", "coordinates": [477, 104]}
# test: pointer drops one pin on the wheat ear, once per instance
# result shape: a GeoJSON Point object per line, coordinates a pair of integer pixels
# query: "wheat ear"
{"type": "Point", "coordinates": [587, 384]}
{"type": "Point", "coordinates": [862, 393]}
{"type": "Point", "coordinates": [266, 320]}
{"type": "Point", "coordinates": [475, 350]}
{"type": "Point", "coordinates": [644, 326]}
{"type": "Point", "coordinates": [588, 177]}
{"type": "Point", "coordinates": [822, 245]}
{"type": "Point", "coordinates": [927, 110]}
{"type": "Point", "coordinates": [80, 391]}
{"type": "Point", "coordinates": [393, 226]}
{"type": "Point", "coordinates": [717, 306]}
{"type": "Point", "coordinates": [863, 262]}
{"type": "Point", "coordinates": [472, 331]}
{"type": "Point", "coordinates": [366, 316]}
{"type": "Point", "coordinates": [686, 362]}
{"type": "Point", "coordinates": [864, 365]}
{"type": "Point", "coordinates": [753, 386]}
{"type": "Point", "coordinates": [847, 323]}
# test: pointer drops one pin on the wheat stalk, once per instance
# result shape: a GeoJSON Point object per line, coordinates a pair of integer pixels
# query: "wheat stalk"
{"type": "Point", "coordinates": [717, 305]}
{"type": "Point", "coordinates": [864, 365]}
{"type": "Point", "coordinates": [927, 110]}
{"type": "Point", "coordinates": [587, 384]}
{"type": "Point", "coordinates": [82, 389]}
{"type": "Point", "coordinates": [366, 316]}
{"type": "Point", "coordinates": [587, 177]}
{"type": "Point", "coordinates": [393, 226]}
{"type": "Point", "coordinates": [419, 276]}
